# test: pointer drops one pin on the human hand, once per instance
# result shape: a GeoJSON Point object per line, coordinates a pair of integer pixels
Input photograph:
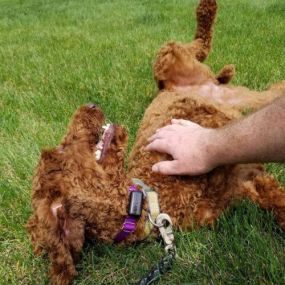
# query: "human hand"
{"type": "Point", "coordinates": [189, 145]}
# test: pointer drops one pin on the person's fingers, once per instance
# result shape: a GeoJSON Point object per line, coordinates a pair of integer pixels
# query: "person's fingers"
{"type": "Point", "coordinates": [156, 136]}
{"type": "Point", "coordinates": [168, 128]}
{"type": "Point", "coordinates": [166, 167]}
{"type": "Point", "coordinates": [162, 133]}
{"type": "Point", "coordinates": [159, 145]}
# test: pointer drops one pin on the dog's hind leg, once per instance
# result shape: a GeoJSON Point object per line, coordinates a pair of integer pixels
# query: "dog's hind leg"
{"type": "Point", "coordinates": [269, 195]}
{"type": "Point", "coordinates": [263, 189]}
{"type": "Point", "coordinates": [256, 100]}
{"type": "Point", "coordinates": [243, 181]}
{"type": "Point", "coordinates": [278, 86]}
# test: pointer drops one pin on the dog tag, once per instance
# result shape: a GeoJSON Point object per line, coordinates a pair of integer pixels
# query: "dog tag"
{"type": "Point", "coordinates": [135, 204]}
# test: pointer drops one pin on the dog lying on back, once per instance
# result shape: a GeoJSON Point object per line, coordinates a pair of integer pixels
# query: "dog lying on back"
{"type": "Point", "coordinates": [79, 193]}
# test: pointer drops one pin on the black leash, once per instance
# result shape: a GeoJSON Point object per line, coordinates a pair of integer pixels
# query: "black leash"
{"type": "Point", "coordinates": [164, 265]}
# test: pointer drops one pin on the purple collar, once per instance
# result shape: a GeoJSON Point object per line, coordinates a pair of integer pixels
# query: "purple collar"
{"type": "Point", "coordinates": [130, 223]}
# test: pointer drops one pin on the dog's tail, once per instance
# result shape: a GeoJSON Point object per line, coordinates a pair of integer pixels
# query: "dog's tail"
{"type": "Point", "coordinates": [205, 14]}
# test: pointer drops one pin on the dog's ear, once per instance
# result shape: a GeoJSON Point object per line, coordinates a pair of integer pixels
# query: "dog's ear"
{"type": "Point", "coordinates": [68, 239]}
{"type": "Point", "coordinates": [54, 232]}
{"type": "Point", "coordinates": [35, 234]}
{"type": "Point", "coordinates": [226, 74]}
{"type": "Point", "coordinates": [50, 227]}
{"type": "Point", "coordinates": [45, 189]}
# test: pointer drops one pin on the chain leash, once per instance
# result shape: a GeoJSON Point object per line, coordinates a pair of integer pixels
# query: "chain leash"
{"type": "Point", "coordinates": [164, 224]}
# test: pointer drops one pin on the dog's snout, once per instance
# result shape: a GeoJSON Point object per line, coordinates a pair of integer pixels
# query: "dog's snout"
{"type": "Point", "coordinates": [91, 105]}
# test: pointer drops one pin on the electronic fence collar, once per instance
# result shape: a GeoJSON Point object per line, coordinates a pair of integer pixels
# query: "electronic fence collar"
{"type": "Point", "coordinates": [137, 192]}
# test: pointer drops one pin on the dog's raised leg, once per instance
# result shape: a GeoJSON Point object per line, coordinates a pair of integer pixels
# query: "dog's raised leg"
{"type": "Point", "coordinates": [205, 15]}
{"type": "Point", "coordinates": [278, 86]}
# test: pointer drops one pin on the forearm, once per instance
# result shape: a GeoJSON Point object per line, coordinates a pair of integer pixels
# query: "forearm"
{"type": "Point", "coordinates": [195, 150]}
{"type": "Point", "coordinates": [259, 137]}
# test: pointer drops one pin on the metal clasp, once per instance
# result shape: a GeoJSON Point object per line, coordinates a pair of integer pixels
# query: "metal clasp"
{"type": "Point", "coordinates": [144, 187]}
{"type": "Point", "coordinates": [164, 223]}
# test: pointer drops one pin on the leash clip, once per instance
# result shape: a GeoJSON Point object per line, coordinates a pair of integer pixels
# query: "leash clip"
{"type": "Point", "coordinates": [164, 223]}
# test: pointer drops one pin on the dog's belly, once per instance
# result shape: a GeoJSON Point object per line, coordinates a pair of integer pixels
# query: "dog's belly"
{"type": "Point", "coordinates": [215, 93]}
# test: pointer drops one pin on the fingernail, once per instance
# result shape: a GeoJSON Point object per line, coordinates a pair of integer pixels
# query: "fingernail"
{"type": "Point", "coordinates": [154, 168]}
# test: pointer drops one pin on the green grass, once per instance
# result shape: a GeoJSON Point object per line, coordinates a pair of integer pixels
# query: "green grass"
{"type": "Point", "coordinates": [57, 54]}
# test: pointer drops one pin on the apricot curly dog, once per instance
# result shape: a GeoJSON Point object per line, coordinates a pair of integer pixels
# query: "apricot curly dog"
{"type": "Point", "coordinates": [80, 188]}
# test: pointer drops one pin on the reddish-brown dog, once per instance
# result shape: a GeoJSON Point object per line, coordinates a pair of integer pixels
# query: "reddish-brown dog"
{"type": "Point", "coordinates": [76, 196]}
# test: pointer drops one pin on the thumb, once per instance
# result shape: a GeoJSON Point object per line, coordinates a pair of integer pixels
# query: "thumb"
{"type": "Point", "coordinates": [166, 167]}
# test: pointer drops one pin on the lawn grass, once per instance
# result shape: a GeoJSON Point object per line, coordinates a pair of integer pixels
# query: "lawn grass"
{"type": "Point", "coordinates": [57, 54]}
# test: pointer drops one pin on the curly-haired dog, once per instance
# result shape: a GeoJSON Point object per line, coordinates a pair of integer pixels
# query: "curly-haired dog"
{"type": "Point", "coordinates": [178, 67]}
{"type": "Point", "coordinates": [78, 194]}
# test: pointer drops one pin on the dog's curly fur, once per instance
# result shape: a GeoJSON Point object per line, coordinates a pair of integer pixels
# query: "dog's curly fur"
{"type": "Point", "coordinates": [76, 197]}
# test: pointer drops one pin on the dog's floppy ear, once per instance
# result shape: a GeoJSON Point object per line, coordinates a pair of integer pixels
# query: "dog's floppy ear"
{"type": "Point", "coordinates": [35, 234]}
{"type": "Point", "coordinates": [50, 227]}
{"type": "Point", "coordinates": [226, 74]}
{"type": "Point", "coordinates": [45, 190]}
{"type": "Point", "coordinates": [68, 239]}
{"type": "Point", "coordinates": [52, 231]}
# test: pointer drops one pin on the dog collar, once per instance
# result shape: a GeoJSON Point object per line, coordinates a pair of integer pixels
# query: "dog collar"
{"type": "Point", "coordinates": [134, 213]}
{"type": "Point", "coordinates": [137, 192]}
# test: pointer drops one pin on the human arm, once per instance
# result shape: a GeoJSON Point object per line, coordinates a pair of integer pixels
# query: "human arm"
{"type": "Point", "coordinates": [259, 137]}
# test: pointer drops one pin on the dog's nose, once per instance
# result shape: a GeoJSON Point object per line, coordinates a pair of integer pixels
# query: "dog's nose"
{"type": "Point", "coordinates": [91, 105]}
